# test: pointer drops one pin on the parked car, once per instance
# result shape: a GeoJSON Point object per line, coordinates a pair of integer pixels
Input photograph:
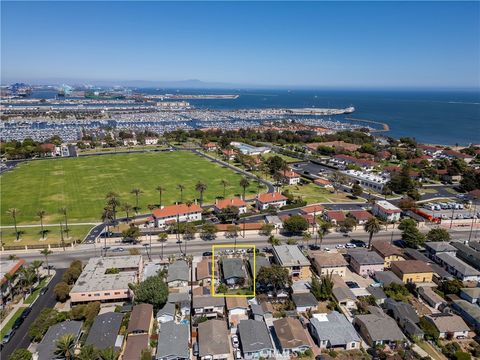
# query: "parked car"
{"type": "Point", "coordinates": [350, 246]}
{"type": "Point", "coordinates": [238, 354]}
{"type": "Point", "coordinates": [43, 291]}
{"type": "Point", "coordinates": [8, 336]}
{"type": "Point", "coordinates": [195, 349]}
{"type": "Point", "coordinates": [207, 253]}
{"type": "Point", "coordinates": [235, 342]}
{"type": "Point", "coordinates": [339, 246]}
{"type": "Point", "coordinates": [17, 323]}
{"type": "Point", "coordinates": [27, 311]}
{"type": "Point", "coordinates": [314, 247]}
{"type": "Point", "coordinates": [119, 249]}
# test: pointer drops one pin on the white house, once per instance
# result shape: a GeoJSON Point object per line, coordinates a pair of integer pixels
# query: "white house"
{"type": "Point", "coordinates": [236, 202]}
{"type": "Point", "coordinates": [174, 213]}
{"type": "Point", "coordinates": [151, 141]}
{"type": "Point", "coordinates": [386, 211]}
{"type": "Point", "coordinates": [290, 177]}
{"type": "Point", "coordinates": [275, 199]}
{"type": "Point", "coordinates": [166, 314]}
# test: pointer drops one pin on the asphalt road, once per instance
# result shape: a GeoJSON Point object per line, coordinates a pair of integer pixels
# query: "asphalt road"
{"type": "Point", "coordinates": [21, 338]}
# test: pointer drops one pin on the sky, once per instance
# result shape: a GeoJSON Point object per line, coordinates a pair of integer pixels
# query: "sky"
{"type": "Point", "coordinates": [312, 44]}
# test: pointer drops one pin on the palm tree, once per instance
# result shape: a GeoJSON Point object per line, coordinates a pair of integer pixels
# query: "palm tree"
{"type": "Point", "coordinates": [9, 278]}
{"type": "Point", "coordinates": [225, 184]}
{"type": "Point", "coordinates": [107, 216]}
{"type": "Point", "coordinates": [88, 353]}
{"type": "Point", "coordinates": [36, 265]}
{"type": "Point", "coordinates": [108, 354]}
{"type": "Point", "coordinates": [181, 187]}
{"type": "Point", "coordinates": [65, 346]}
{"type": "Point", "coordinates": [113, 202]}
{"type": "Point", "coordinates": [160, 193]}
{"type": "Point", "coordinates": [14, 212]}
{"type": "Point", "coordinates": [162, 238]}
{"type": "Point", "coordinates": [201, 187]}
{"type": "Point", "coordinates": [323, 230]}
{"type": "Point", "coordinates": [45, 252]}
{"type": "Point", "coordinates": [188, 203]}
{"type": "Point", "coordinates": [306, 236]}
{"type": "Point", "coordinates": [41, 214]}
{"type": "Point", "coordinates": [244, 183]}
{"type": "Point", "coordinates": [28, 277]}
{"type": "Point", "coordinates": [63, 211]}
{"type": "Point", "coordinates": [127, 208]}
{"type": "Point", "coordinates": [137, 193]}
{"type": "Point", "coordinates": [12, 257]}
{"type": "Point", "coordinates": [372, 226]}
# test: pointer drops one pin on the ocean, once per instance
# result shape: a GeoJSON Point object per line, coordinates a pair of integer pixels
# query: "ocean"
{"type": "Point", "coordinates": [433, 117]}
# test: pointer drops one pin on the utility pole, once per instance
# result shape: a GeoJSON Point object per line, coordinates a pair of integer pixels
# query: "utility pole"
{"type": "Point", "coordinates": [61, 236]}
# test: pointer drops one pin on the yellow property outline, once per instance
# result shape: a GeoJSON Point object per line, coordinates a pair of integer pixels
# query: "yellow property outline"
{"type": "Point", "coordinates": [254, 270]}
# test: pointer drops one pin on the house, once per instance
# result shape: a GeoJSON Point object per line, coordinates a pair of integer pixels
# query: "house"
{"type": "Point", "coordinates": [314, 210]}
{"type": "Point", "coordinates": [290, 177]}
{"type": "Point", "coordinates": [378, 329]}
{"type": "Point", "coordinates": [12, 268]}
{"type": "Point", "coordinates": [329, 263]}
{"type": "Point", "coordinates": [262, 311]}
{"type": "Point", "coordinates": [235, 202]}
{"type": "Point", "coordinates": [203, 271]}
{"type": "Point", "coordinates": [182, 302]}
{"type": "Point", "coordinates": [275, 221]}
{"type": "Point", "coordinates": [166, 313]}
{"type": "Point", "coordinates": [173, 342]}
{"type": "Point", "coordinates": [472, 295]}
{"type": "Point", "coordinates": [378, 293]}
{"type": "Point", "coordinates": [134, 346]}
{"type": "Point", "coordinates": [130, 141]}
{"type": "Point", "coordinates": [46, 348]}
{"type": "Point", "coordinates": [213, 340]}
{"type": "Point", "coordinates": [141, 319]}
{"type": "Point", "coordinates": [365, 263]}
{"type": "Point", "coordinates": [366, 179]}
{"type": "Point", "coordinates": [151, 140]}
{"type": "Point", "coordinates": [405, 315]}
{"type": "Point", "coordinates": [458, 268]}
{"type": "Point", "coordinates": [413, 271]}
{"type": "Point", "coordinates": [255, 340]}
{"type": "Point", "coordinates": [48, 149]}
{"type": "Point", "coordinates": [173, 213]}
{"type": "Point", "coordinates": [104, 331]}
{"type": "Point", "coordinates": [274, 199]}
{"type": "Point", "coordinates": [333, 331]}
{"type": "Point", "coordinates": [95, 283]}
{"type": "Point", "coordinates": [448, 325]}
{"type": "Point", "coordinates": [291, 258]}
{"type": "Point", "coordinates": [178, 274]}
{"type": "Point", "coordinates": [324, 183]}
{"type": "Point", "coordinates": [300, 287]}
{"type": "Point", "coordinates": [469, 312]}
{"type": "Point", "coordinates": [291, 336]}
{"type": "Point", "coordinates": [344, 296]}
{"type": "Point", "coordinates": [304, 302]}
{"type": "Point", "coordinates": [468, 254]}
{"type": "Point", "coordinates": [208, 306]}
{"type": "Point", "coordinates": [388, 252]}
{"type": "Point", "coordinates": [434, 248]}
{"type": "Point", "coordinates": [386, 278]}
{"type": "Point", "coordinates": [151, 269]}
{"type": "Point", "coordinates": [260, 261]}
{"type": "Point", "coordinates": [386, 211]}
{"type": "Point", "coordinates": [361, 216]}
{"type": "Point", "coordinates": [233, 271]}
{"type": "Point", "coordinates": [229, 154]}
{"type": "Point", "coordinates": [237, 306]}
{"type": "Point", "coordinates": [210, 146]}
{"type": "Point", "coordinates": [431, 297]}
{"type": "Point", "coordinates": [335, 217]}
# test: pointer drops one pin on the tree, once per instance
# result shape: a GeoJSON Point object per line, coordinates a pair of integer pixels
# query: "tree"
{"type": "Point", "coordinates": [28, 277]}
{"type": "Point", "coordinates": [41, 215]}
{"type": "Point", "coordinates": [397, 292]}
{"type": "Point", "coordinates": [411, 235]}
{"type": "Point", "coordinates": [46, 318]}
{"type": "Point", "coordinates": [13, 212]}
{"type": "Point", "coordinates": [244, 183]}
{"type": "Point", "coordinates": [137, 193]}
{"type": "Point", "coordinates": [146, 355]}
{"type": "Point", "coordinates": [208, 231]}
{"type": "Point", "coordinates": [272, 240]}
{"type": "Point", "coordinates": [160, 190]}
{"type": "Point", "coordinates": [108, 354]}
{"type": "Point", "coordinates": [267, 229]}
{"type": "Point", "coordinates": [36, 265]}
{"type": "Point", "coordinates": [232, 232]}
{"type": "Point", "coordinates": [228, 213]}
{"type": "Point", "coordinates": [65, 346]}
{"type": "Point", "coordinates": [372, 227]}
{"type": "Point", "coordinates": [181, 188]}
{"type": "Point", "coordinates": [348, 224]}
{"type": "Point", "coordinates": [224, 184]}
{"type": "Point", "coordinates": [275, 164]}
{"type": "Point", "coordinates": [323, 229]}
{"type": "Point", "coordinates": [88, 352]}
{"type": "Point", "coordinates": [61, 291]}
{"type": "Point", "coordinates": [162, 238]}
{"type": "Point", "coordinates": [201, 187]}
{"type": "Point", "coordinates": [63, 211]}
{"type": "Point", "coordinates": [127, 208]}
{"type": "Point", "coordinates": [132, 233]}
{"type": "Point", "coordinates": [20, 354]}
{"type": "Point", "coordinates": [152, 290]}
{"type": "Point", "coordinates": [295, 224]}
{"type": "Point", "coordinates": [438, 234]}
{"type": "Point", "coordinates": [306, 236]}
{"type": "Point", "coordinates": [406, 204]}
{"type": "Point", "coordinates": [274, 276]}
{"type": "Point", "coordinates": [45, 252]}
{"type": "Point", "coordinates": [322, 290]}
{"type": "Point", "coordinates": [451, 286]}
{"type": "Point", "coordinates": [107, 217]}
{"type": "Point", "coordinates": [356, 190]}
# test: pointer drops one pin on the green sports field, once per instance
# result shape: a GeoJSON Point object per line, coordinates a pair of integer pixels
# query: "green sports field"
{"type": "Point", "coordinates": [80, 184]}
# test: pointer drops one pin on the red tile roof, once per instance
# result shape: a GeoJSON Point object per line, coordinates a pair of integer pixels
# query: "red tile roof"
{"type": "Point", "coordinates": [289, 174]}
{"type": "Point", "coordinates": [222, 204]}
{"type": "Point", "coordinates": [271, 197]}
{"type": "Point", "coordinates": [13, 270]}
{"type": "Point", "coordinates": [47, 147]}
{"type": "Point", "coordinates": [360, 215]}
{"type": "Point", "coordinates": [336, 215]}
{"type": "Point", "coordinates": [246, 226]}
{"type": "Point", "coordinates": [322, 181]}
{"type": "Point", "coordinates": [312, 209]}
{"type": "Point", "coordinates": [173, 210]}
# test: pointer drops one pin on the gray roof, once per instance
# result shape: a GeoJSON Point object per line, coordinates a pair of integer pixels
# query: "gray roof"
{"type": "Point", "coordinates": [342, 293]}
{"type": "Point", "coordinates": [473, 310]}
{"type": "Point", "coordinates": [104, 331]}
{"type": "Point", "coordinates": [363, 257]}
{"type": "Point", "coordinates": [202, 301]}
{"type": "Point", "coordinates": [259, 262]}
{"type": "Point", "coordinates": [290, 255]}
{"type": "Point", "coordinates": [48, 345]}
{"type": "Point", "coordinates": [254, 335]}
{"type": "Point", "coordinates": [173, 341]}
{"type": "Point", "coordinates": [475, 245]}
{"type": "Point", "coordinates": [416, 255]}
{"type": "Point", "coordinates": [178, 271]}
{"type": "Point", "coordinates": [428, 293]}
{"type": "Point", "coordinates": [458, 265]}
{"type": "Point", "coordinates": [411, 328]}
{"type": "Point", "coordinates": [380, 327]}
{"type": "Point", "coordinates": [336, 329]}
{"type": "Point", "coordinates": [377, 292]}
{"type": "Point", "coordinates": [232, 268]}
{"type": "Point", "coordinates": [304, 299]}
{"type": "Point", "coordinates": [467, 253]}
{"type": "Point", "coordinates": [168, 309]}
{"type": "Point", "coordinates": [440, 246]}
{"type": "Point", "coordinates": [177, 298]}
{"type": "Point", "coordinates": [387, 278]}
{"type": "Point", "coordinates": [150, 269]}
{"type": "Point", "coordinates": [401, 310]}
{"type": "Point", "coordinates": [472, 292]}
{"type": "Point", "coordinates": [212, 338]}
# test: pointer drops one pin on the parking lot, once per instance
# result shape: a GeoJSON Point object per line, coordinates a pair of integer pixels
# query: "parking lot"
{"type": "Point", "coordinates": [311, 169]}
{"type": "Point", "coordinates": [450, 210]}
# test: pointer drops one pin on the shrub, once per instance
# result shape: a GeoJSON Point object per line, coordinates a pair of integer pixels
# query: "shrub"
{"type": "Point", "coordinates": [61, 291]}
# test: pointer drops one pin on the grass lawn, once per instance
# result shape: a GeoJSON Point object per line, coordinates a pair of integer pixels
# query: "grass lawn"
{"type": "Point", "coordinates": [32, 236]}
{"type": "Point", "coordinates": [121, 149]}
{"type": "Point", "coordinates": [428, 191]}
{"type": "Point", "coordinates": [10, 322]}
{"type": "Point", "coordinates": [31, 298]}
{"type": "Point", "coordinates": [287, 158]}
{"type": "Point", "coordinates": [312, 193]}
{"type": "Point", "coordinates": [80, 184]}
